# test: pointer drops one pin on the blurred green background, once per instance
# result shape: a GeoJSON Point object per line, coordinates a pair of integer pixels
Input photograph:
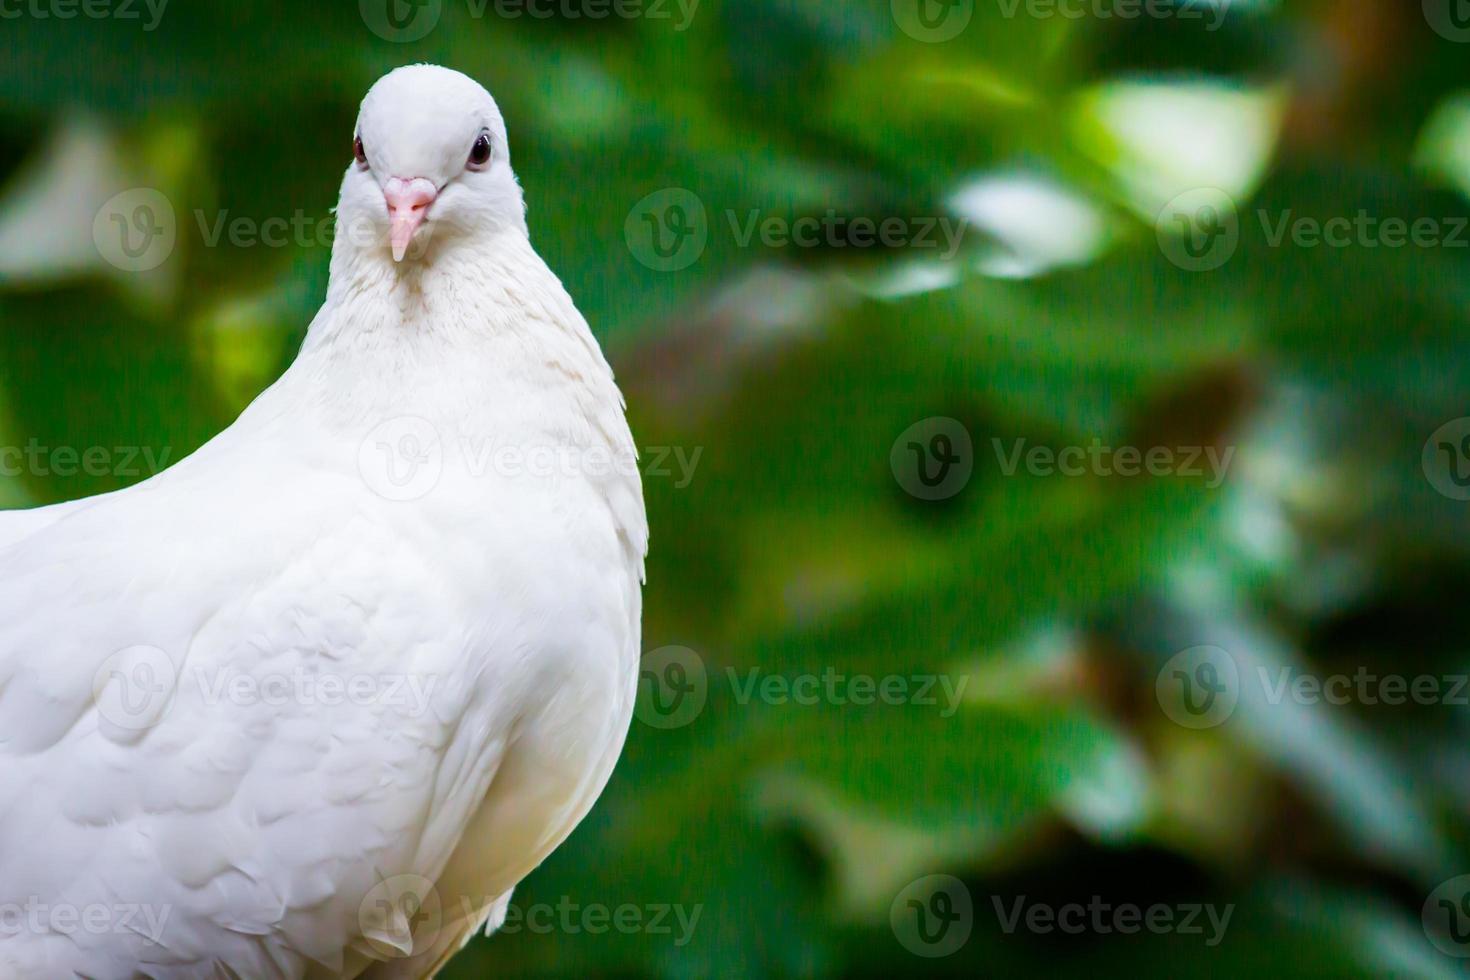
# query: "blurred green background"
{"type": "Point", "coordinates": [1101, 684]}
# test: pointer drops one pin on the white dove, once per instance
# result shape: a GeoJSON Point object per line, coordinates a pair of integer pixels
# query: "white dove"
{"type": "Point", "coordinates": [311, 702]}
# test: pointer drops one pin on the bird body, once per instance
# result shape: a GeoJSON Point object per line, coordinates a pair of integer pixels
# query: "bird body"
{"type": "Point", "coordinates": [311, 702]}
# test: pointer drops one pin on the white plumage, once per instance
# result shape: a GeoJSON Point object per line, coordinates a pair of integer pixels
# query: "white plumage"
{"type": "Point", "coordinates": [372, 648]}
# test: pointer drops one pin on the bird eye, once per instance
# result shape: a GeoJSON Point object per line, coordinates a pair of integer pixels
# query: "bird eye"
{"type": "Point", "coordinates": [480, 152]}
{"type": "Point", "coordinates": [358, 151]}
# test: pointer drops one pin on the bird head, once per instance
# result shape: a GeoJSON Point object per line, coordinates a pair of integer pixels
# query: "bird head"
{"type": "Point", "coordinates": [430, 161]}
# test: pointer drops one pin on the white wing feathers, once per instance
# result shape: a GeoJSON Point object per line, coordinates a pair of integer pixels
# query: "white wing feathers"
{"type": "Point", "coordinates": [18, 524]}
{"type": "Point", "coordinates": [170, 728]}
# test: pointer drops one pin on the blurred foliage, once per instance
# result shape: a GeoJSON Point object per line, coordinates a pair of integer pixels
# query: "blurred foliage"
{"type": "Point", "coordinates": [793, 549]}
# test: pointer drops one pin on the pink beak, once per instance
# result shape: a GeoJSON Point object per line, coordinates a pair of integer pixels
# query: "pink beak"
{"type": "Point", "coordinates": [408, 202]}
